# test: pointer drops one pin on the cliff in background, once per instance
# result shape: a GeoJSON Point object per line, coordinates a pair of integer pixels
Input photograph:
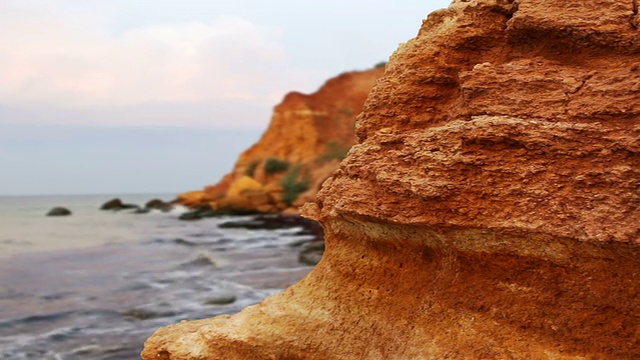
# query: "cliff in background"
{"type": "Point", "coordinates": [490, 209]}
{"type": "Point", "coordinates": [306, 139]}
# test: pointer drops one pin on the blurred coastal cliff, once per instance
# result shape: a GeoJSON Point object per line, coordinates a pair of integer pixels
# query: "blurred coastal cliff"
{"type": "Point", "coordinates": [307, 138]}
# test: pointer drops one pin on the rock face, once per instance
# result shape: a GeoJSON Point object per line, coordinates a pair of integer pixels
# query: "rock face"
{"type": "Point", "coordinates": [490, 210]}
{"type": "Point", "coordinates": [307, 137]}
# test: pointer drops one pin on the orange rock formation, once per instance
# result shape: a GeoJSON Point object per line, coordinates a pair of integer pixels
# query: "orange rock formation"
{"type": "Point", "coordinates": [308, 135]}
{"type": "Point", "coordinates": [490, 210]}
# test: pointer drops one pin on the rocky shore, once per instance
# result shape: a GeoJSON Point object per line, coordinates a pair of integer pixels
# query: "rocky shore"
{"type": "Point", "coordinates": [490, 208]}
{"type": "Point", "coordinates": [118, 276]}
{"type": "Point", "coordinates": [311, 249]}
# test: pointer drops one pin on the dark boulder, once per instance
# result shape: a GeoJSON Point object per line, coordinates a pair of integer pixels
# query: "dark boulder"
{"type": "Point", "coordinates": [59, 211]}
{"type": "Point", "coordinates": [199, 213]}
{"type": "Point", "coordinates": [190, 215]}
{"type": "Point", "coordinates": [113, 204]}
{"type": "Point", "coordinates": [145, 314]}
{"type": "Point", "coordinates": [221, 300]}
{"type": "Point", "coordinates": [278, 221]}
{"type": "Point", "coordinates": [116, 205]}
{"type": "Point", "coordinates": [157, 204]}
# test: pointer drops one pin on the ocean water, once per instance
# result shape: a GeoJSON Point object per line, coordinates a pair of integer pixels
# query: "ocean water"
{"type": "Point", "coordinates": [96, 284]}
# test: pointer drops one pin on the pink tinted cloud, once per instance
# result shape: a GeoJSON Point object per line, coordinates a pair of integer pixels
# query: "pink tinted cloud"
{"type": "Point", "coordinates": [54, 62]}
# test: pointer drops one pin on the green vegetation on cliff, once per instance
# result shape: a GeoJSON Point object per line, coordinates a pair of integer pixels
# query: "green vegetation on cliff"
{"type": "Point", "coordinates": [294, 184]}
{"type": "Point", "coordinates": [274, 165]}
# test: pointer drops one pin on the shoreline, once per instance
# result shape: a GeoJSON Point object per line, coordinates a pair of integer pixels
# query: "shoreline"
{"type": "Point", "coordinates": [78, 302]}
{"type": "Point", "coordinates": [26, 228]}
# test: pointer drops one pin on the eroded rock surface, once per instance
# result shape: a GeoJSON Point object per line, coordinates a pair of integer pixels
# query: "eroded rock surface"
{"type": "Point", "coordinates": [490, 210]}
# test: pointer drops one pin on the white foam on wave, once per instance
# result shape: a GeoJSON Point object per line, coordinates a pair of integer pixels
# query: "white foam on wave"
{"type": "Point", "coordinates": [179, 209]}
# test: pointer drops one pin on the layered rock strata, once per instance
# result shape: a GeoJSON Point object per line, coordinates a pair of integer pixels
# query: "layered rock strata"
{"type": "Point", "coordinates": [490, 210]}
{"type": "Point", "coordinates": [304, 143]}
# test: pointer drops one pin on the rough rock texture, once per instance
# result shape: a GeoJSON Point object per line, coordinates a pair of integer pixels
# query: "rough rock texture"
{"type": "Point", "coordinates": [310, 133]}
{"type": "Point", "coordinates": [490, 210]}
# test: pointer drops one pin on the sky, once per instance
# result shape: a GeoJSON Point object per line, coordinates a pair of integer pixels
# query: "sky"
{"type": "Point", "coordinates": [161, 96]}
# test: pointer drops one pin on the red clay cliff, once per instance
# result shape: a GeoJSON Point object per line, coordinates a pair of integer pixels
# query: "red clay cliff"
{"type": "Point", "coordinates": [489, 210]}
{"type": "Point", "coordinates": [306, 139]}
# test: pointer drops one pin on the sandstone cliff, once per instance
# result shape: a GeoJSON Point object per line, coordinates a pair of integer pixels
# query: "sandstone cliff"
{"type": "Point", "coordinates": [306, 139]}
{"type": "Point", "coordinates": [490, 209]}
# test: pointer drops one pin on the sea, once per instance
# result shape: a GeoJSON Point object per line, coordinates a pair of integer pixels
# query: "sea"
{"type": "Point", "coordinates": [96, 284]}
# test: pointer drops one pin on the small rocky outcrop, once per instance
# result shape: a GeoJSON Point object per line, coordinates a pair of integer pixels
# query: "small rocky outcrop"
{"type": "Point", "coordinates": [276, 222]}
{"type": "Point", "coordinates": [59, 211]}
{"type": "Point", "coordinates": [307, 137]}
{"type": "Point", "coordinates": [145, 314]}
{"type": "Point", "coordinates": [112, 204]}
{"type": "Point", "coordinates": [116, 205]}
{"type": "Point", "coordinates": [199, 212]}
{"type": "Point", "coordinates": [158, 204]}
{"type": "Point", "coordinates": [221, 300]}
{"type": "Point", "coordinates": [490, 209]}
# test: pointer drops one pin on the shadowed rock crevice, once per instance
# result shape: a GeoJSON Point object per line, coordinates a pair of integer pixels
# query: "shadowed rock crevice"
{"type": "Point", "coordinates": [634, 18]}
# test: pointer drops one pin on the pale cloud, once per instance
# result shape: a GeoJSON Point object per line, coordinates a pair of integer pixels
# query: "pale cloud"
{"type": "Point", "coordinates": [48, 60]}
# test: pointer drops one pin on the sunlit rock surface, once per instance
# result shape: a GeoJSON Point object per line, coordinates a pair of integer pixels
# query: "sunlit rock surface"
{"type": "Point", "coordinates": [490, 210]}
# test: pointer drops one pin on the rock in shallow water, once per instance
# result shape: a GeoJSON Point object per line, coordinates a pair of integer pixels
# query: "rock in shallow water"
{"type": "Point", "coordinates": [112, 204]}
{"type": "Point", "coordinates": [490, 209]}
{"type": "Point", "coordinates": [203, 211]}
{"type": "Point", "coordinates": [158, 204]}
{"type": "Point", "coordinates": [59, 211]}
{"type": "Point", "coordinates": [116, 205]}
{"type": "Point", "coordinates": [140, 211]}
{"type": "Point", "coordinates": [221, 300]}
{"type": "Point", "coordinates": [145, 314]}
{"type": "Point", "coordinates": [274, 222]}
